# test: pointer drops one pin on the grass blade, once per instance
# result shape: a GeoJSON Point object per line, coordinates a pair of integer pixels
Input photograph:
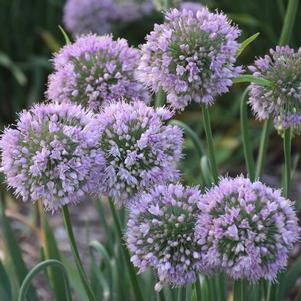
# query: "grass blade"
{"type": "Point", "coordinates": [246, 43]}
{"type": "Point", "coordinates": [5, 286]}
{"type": "Point", "coordinates": [289, 279]}
{"type": "Point", "coordinates": [37, 269]}
{"type": "Point", "coordinates": [52, 252]}
{"type": "Point", "coordinates": [248, 78]}
{"type": "Point", "coordinates": [15, 252]}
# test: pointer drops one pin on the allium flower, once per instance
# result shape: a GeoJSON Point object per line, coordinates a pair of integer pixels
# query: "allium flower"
{"type": "Point", "coordinates": [90, 16]}
{"type": "Point", "coordinates": [132, 10]}
{"type": "Point", "coordinates": [282, 101]}
{"type": "Point", "coordinates": [99, 16]}
{"type": "Point", "coordinates": [190, 56]}
{"type": "Point", "coordinates": [49, 156]}
{"type": "Point", "coordinates": [160, 233]}
{"type": "Point", "coordinates": [140, 150]}
{"type": "Point", "coordinates": [193, 6]}
{"type": "Point", "coordinates": [246, 229]}
{"type": "Point", "coordinates": [94, 71]}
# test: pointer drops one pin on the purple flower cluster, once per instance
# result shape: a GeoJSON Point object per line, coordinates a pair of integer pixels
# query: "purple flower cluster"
{"type": "Point", "coordinates": [94, 71]}
{"type": "Point", "coordinates": [191, 56]}
{"type": "Point", "coordinates": [282, 101]}
{"type": "Point", "coordinates": [49, 156]}
{"type": "Point", "coordinates": [193, 6]}
{"type": "Point", "coordinates": [160, 233]}
{"type": "Point", "coordinates": [245, 229]}
{"type": "Point", "coordinates": [90, 16]}
{"type": "Point", "coordinates": [98, 16]}
{"type": "Point", "coordinates": [139, 149]}
{"type": "Point", "coordinates": [132, 10]}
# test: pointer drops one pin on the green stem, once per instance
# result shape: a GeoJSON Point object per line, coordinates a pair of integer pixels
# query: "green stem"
{"type": "Point", "coordinates": [239, 290]}
{"type": "Point", "coordinates": [198, 290]}
{"type": "Point", "coordinates": [131, 269]}
{"type": "Point", "coordinates": [263, 147]}
{"type": "Point", "coordinates": [160, 99]}
{"type": "Point", "coordinates": [76, 256]}
{"type": "Point", "coordinates": [210, 146]}
{"type": "Point", "coordinates": [246, 138]}
{"type": "Point", "coordinates": [269, 292]}
{"type": "Point", "coordinates": [289, 21]}
{"type": "Point", "coordinates": [287, 160]}
{"type": "Point", "coordinates": [182, 293]}
{"type": "Point", "coordinates": [161, 296]}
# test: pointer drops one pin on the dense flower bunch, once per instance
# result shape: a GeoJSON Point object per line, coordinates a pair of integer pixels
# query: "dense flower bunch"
{"type": "Point", "coordinates": [140, 150]}
{"type": "Point", "coordinates": [160, 233]}
{"type": "Point", "coordinates": [193, 6]}
{"type": "Point", "coordinates": [90, 16]}
{"type": "Point", "coordinates": [99, 16]}
{"type": "Point", "coordinates": [190, 56]}
{"type": "Point", "coordinates": [94, 71]}
{"type": "Point", "coordinates": [282, 101]}
{"type": "Point", "coordinates": [245, 229]}
{"type": "Point", "coordinates": [132, 10]}
{"type": "Point", "coordinates": [48, 156]}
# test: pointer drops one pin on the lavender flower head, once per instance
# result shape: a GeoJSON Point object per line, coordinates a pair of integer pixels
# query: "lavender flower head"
{"type": "Point", "coordinates": [160, 233]}
{"type": "Point", "coordinates": [246, 229]}
{"type": "Point", "coordinates": [95, 70]}
{"type": "Point", "coordinates": [132, 10]}
{"type": "Point", "coordinates": [193, 6]}
{"type": "Point", "coordinates": [190, 56]}
{"type": "Point", "coordinates": [282, 101]}
{"type": "Point", "coordinates": [140, 150]}
{"type": "Point", "coordinates": [49, 156]}
{"type": "Point", "coordinates": [90, 16]}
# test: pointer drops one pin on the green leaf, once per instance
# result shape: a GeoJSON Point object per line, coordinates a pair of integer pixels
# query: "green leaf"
{"type": "Point", "coordinates": [191, 134]}
{"type": "Point", "coordinates": [289, 279]}
{"type": "Point", "coordinates": [107, 289]}
{"type": "Point", "coordinates": [107, 229]}
{"type": "Point", "coordinates": [52, 252]}
{"type": "Point", "coordinates": [18, 74]}
{"type": "Point", "coordinates": [50, 40]}
{"type": "Point", "coordinates": [206, 170]}
{"type": "Point", "coordinates": [246, 43]}
{"type": "Point", "coordinates": [248, 78]}
{"type": "Point", "coordinates": [15, 252]}
{"type": "Point", "coordinates": [5, 286]}
{"type": "Point", "coordinates": [37, 269]}
{"type": "Point", "coordinates": [97, 246]}
{"type": "Point", "coordinates": [67, 39]}
{"type": "Point", "coordinates": [244, 19]}
{"type": "Point", "coordinates": [74, 279]}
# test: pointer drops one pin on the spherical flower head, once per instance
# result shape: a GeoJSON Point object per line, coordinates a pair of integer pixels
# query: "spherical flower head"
{"type": "Point", "coordinates": [132, 10]}
{"type": "Point", "coordinates": [140, 150]}
{"type": "Point", "coordinates": [49, 156]}
{"type": "Point", "coordinates": [193, 6]}
{"type": "Point", "coordinates": [160, 233]}
{"type": "Point", "coordinates": [281, 101]}
{"type": "Point", "coordinates": [190, 56]}
{"type": "Point", "coordinates": [246, 229]}
{"type": "Point", "coordinates": [95, 70]}
{"type": "Point", "coordinates": [90, 16]}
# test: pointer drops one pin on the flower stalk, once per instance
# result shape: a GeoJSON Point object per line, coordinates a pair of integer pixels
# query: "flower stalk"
{"type": "Point", "coordinates": [210, 145]}
{"type": "Point", "coordinates": [287, 141]}
{"type": "Point", "coordinates": [246, 138]}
